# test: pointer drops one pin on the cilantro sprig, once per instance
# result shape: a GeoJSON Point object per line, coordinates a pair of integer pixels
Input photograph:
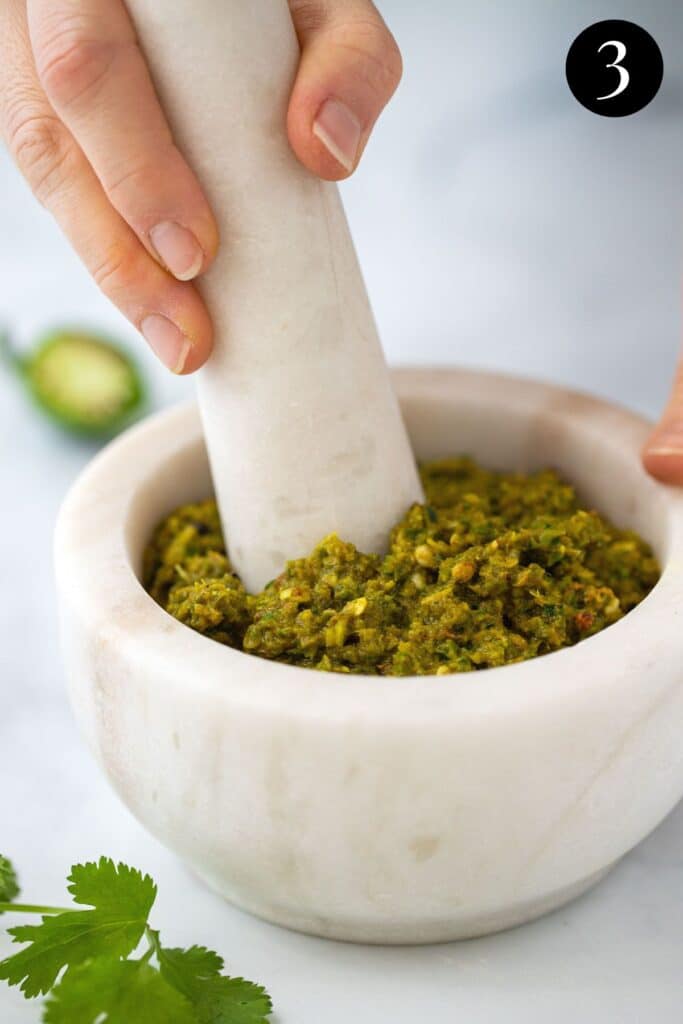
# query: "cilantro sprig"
{"type": "Point", "coordinates": [82, 959]}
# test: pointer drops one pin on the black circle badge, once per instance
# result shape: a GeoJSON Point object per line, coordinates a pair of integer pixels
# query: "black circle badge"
{"type": "Point", "coordinates": [614, 68]}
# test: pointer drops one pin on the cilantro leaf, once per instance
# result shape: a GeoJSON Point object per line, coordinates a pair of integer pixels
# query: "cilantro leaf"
{"type": "Point", "coordinates": [116, 992]}
{"type": "Point", "coordinates": [187, 969]}
{"type": "Point", "coordinates": [217, 999]}
{"type": "Point", "coordinates": [9, 887]}
{"type": "Point", "coordinates": [121, 898]}
{"type": "Point", "coordinates": [82, 959]}
{"type": "Point", "coordinates": [114, 888]}
{"type": "Point", "coordinates": [232, 1001]}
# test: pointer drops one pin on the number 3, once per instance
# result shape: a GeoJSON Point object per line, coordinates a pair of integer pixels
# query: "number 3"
{"type": "Point", "coordinates": [624, 77]}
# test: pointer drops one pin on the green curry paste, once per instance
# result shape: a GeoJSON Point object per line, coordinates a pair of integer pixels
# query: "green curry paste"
{"type": "Point", "coordinates": [496, 568]}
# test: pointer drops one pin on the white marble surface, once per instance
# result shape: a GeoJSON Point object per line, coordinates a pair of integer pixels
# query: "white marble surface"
{"type": "Point", "coordinates": [500, 225]}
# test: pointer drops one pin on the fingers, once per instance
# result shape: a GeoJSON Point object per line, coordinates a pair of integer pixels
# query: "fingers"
{"type": "Point", "coordinates": [350, 67]}
{"type": "Point", "coordinates": [96, 78]}
{"type": "Point", "coordinates": [170, 314]}
{"type": "Point", "coordinates": [663, 452]}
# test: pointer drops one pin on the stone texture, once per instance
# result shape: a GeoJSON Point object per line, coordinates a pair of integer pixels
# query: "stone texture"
{"type": "Point", "coordinates": [382, 810]}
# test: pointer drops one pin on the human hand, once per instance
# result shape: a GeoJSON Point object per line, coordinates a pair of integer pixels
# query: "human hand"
{"type": "Point", "coordinates": [663, 452]}
{"type": "Point", "coordinates": [82, 120]}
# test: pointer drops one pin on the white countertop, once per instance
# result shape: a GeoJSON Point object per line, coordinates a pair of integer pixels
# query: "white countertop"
{"type": "Point", "coordinates": [535, 237]}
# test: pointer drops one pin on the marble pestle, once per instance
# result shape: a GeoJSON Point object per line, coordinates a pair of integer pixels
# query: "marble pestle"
{"type": "Point", "coordinates": [302, 426]}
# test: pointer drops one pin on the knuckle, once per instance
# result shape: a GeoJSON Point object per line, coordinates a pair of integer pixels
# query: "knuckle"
{"type": "Point", "coordinates": [370, 39]}
{"type": "Point", "coordinates": [141, 176]}
{"type": "Point", "coordinates": [116, 270]}
{"type": "Point", "coordinates": [393, 61]}
{"type": "Point", "coordinates": [43, 154]}
{"type": "Point", "coordinates": [308, 15]}
{"type": "Point", "coordinates": [70, 64]}
{"type": "Point", "coordinates": [358, 28]}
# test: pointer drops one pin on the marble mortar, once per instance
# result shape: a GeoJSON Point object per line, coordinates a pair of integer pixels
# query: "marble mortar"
{"type": "Point", "coordinates": [388, 810]}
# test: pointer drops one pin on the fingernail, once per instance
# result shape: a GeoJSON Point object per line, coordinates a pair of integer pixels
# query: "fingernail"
{"type": "Point", "coordinates": [339, 130]}
{"type": "Point", "coordinates": [178, 249]}
{"type": "Point", "coordinates": [664, 449]}
{"type": "Point", "coordinates": [666, 442]}
{"type": "Point", "coordinates": [167, 341]}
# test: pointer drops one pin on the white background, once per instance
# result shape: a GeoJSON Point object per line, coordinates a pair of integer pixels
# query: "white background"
{"type": "Point", "coordinates": [500, 225]}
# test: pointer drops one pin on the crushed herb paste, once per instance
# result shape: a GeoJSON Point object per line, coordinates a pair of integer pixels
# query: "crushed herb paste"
{"type": "Point", "coordinates": [495, 568]}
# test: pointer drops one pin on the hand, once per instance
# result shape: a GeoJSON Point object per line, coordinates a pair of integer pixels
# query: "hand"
{"type": "Point", "coordinates": [81, 118]}
{"type": "Point", "coordinates": [663, 452]}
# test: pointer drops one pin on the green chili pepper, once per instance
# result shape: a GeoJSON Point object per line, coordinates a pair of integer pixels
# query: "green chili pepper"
{"type": "Point", "coordinates": [83, 382]}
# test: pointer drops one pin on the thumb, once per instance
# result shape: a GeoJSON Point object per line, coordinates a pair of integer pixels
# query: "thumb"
{"type": "Point", "coordinates": [350, 68]}
{"type": "Point", "coordinates": [663, 451]}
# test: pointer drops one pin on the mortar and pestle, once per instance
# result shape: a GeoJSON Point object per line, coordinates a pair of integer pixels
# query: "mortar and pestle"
{"type": "Point", "coordinates": [361, 808]}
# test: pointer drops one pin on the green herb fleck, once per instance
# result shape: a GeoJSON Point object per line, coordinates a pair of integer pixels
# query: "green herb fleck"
{"type": "Point", "coordinates": [9, 886]}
